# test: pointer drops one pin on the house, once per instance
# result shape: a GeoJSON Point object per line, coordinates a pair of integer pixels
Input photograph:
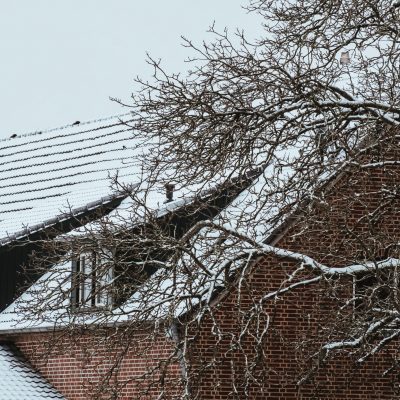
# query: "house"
{"type": "Point", "coordinates": [298, 305]}
{"type": "Point", "coordinates": [57, 181]}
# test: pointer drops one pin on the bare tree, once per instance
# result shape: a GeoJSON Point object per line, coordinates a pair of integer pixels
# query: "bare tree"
{"type": "Point", "coordinates": [287, 152]}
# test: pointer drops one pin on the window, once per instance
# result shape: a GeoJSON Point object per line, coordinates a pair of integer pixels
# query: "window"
{"type": "Point", "coordinates": [92, 277]}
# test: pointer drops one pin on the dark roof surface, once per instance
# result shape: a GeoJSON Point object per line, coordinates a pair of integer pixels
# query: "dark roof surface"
{"type": "Point", "coordinates": [48, 173]}
{"type": "Point", "coordinates": [18, 381]}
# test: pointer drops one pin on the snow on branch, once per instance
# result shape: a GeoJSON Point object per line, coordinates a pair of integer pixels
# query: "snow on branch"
{"type": "Point", "coordinates": [258, 248]}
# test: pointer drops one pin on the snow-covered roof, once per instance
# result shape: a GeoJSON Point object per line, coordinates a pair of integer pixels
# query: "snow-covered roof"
{"type": "Point", "coordinates": [255, 213]}
{"type": "Point", "coordinates": [18, 380]}
{"type": "Point", "coordinates": [48, 173]}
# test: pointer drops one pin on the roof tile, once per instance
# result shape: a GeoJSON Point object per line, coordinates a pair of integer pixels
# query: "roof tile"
{"type": "Point", "coordinates": [19, 381]}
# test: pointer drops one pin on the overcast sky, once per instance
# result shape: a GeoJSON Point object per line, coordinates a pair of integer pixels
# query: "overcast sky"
{"type": "Point", "coordinates": [62, 60]}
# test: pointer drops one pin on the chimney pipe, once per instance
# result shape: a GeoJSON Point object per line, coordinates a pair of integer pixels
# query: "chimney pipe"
{"type": "Point", "coordinates": [345, 58]}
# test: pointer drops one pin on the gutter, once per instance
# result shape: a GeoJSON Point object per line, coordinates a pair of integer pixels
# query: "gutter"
{"type": "Point", "coordinates": [74, 213]}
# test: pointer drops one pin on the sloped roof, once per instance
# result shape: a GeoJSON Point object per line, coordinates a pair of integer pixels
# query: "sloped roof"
{"type": "Point", "coordinates": [45, 174]}
{"type": "Point", "coordinates": [18, 381]}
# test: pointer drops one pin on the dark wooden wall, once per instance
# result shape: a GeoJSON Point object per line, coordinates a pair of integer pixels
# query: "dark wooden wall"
{"type": "Point", "coordinates": [12, 276]}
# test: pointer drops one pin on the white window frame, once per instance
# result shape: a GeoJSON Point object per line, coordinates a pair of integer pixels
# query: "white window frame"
{"type": "Point", "coordinates": [91, 286]}
{"type": "Point", "coordinates": [104, 278]}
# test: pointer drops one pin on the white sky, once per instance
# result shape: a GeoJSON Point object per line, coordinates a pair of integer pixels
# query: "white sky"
{"type": "Point", "coordinates": [62, 60]}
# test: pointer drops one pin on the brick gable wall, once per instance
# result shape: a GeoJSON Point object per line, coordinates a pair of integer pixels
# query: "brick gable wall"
{"type": "Point", "coordinates": [336, 233]}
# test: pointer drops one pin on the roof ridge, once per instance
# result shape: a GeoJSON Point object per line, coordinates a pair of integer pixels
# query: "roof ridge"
{"type": "Point", "coordinates": [39, 132]}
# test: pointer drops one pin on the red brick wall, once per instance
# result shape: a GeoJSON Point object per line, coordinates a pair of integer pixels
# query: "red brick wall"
{"type": "Point", "coordinates": [293, 335]}
{"type": "Point", "coordinates": [75, 364]}
{"type": "Point", "coordinates": [300, 321]}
